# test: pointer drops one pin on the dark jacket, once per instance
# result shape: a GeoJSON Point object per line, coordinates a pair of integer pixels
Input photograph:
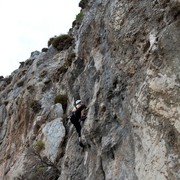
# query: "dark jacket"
{"type": "Point", "coordinates": [77, 115]}
{"type": "Point", "coordinates": [78, 112]}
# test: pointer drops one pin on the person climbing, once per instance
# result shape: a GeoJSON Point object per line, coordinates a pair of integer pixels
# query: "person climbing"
{"type": "Point", "coordinates": [76, 116]}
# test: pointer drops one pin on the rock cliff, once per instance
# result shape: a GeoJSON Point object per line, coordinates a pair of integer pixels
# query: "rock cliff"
{"type": "Point", "coordinates": [124, 64]}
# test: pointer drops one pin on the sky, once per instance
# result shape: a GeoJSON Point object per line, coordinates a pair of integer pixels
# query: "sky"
{"type": "Point", "coordinates": [27, 25]}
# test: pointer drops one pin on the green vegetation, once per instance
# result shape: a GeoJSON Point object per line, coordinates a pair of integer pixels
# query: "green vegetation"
{"type": "Point", "coordinates": [78, 20]}
{"type": "Point", "coordinates": [62, 99]}
{"type": "Point", "coordinates": [39, 146]}
{"type": "Point", "coordinates": [79, 17]}
{"type": "Point", "coordinates": [36, 106]}
{"type": "Point", "coordinates": [62, 42]}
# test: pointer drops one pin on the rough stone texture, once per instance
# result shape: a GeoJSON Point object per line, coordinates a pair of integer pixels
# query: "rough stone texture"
{"type": "Point", "coordinates": [54, 133]}
{"type": "Point", "coordinates": [127, 71]}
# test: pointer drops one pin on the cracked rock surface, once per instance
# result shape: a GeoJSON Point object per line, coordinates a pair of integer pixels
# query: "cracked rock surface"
{"type": "Point", "coordinates": [127, 72]}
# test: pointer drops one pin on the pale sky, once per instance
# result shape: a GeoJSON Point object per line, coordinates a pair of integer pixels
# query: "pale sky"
{"type": "Point", "coordinates": [27, 25]}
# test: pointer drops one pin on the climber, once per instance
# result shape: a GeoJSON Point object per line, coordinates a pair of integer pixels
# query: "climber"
{"type": "Point", "coordinates": [77, 115]}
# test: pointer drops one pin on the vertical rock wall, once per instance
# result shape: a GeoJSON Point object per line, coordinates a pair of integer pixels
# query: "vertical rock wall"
{"type": "Point", "coordinates": [126, 71]}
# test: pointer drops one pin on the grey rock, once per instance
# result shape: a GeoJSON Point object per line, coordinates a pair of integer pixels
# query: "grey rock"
{"type": "Point", "coordinates": [126, 71]}
{"type": "Point", "coordinates": [56, 111]}
{"type": "Point", "coordinates": [54, 133]}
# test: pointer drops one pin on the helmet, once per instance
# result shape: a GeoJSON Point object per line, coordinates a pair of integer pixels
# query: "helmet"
{"type": "Point", "coordinates": [77, 102]}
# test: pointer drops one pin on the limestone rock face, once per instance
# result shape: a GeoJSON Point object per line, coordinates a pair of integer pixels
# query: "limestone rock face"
{"type": "Point", "coordinates": [54, 133]}
{"type": "Point", "coordinates": [127, 72]}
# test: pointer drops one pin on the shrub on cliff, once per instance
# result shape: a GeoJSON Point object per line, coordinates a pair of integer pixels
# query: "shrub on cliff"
{"type": "Point", "coordinates": [83, 4]}
{"type": "Point", "coordinates": [44, 50]}
{"type": "Point", "coordinates": [62, 42]}
{"type": "Point", "coordinates": [39, 166]}
{"type": "Point", "coordinates": [78, 20]}
{"type": "Point", "coordinates": [79, 17]}
{"type": "Point", "coordinates": [51, 40]}
{"type": "Point", "coordinates": [39, 146]}
{"type": "Point", "coordinates": [62, 99]}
